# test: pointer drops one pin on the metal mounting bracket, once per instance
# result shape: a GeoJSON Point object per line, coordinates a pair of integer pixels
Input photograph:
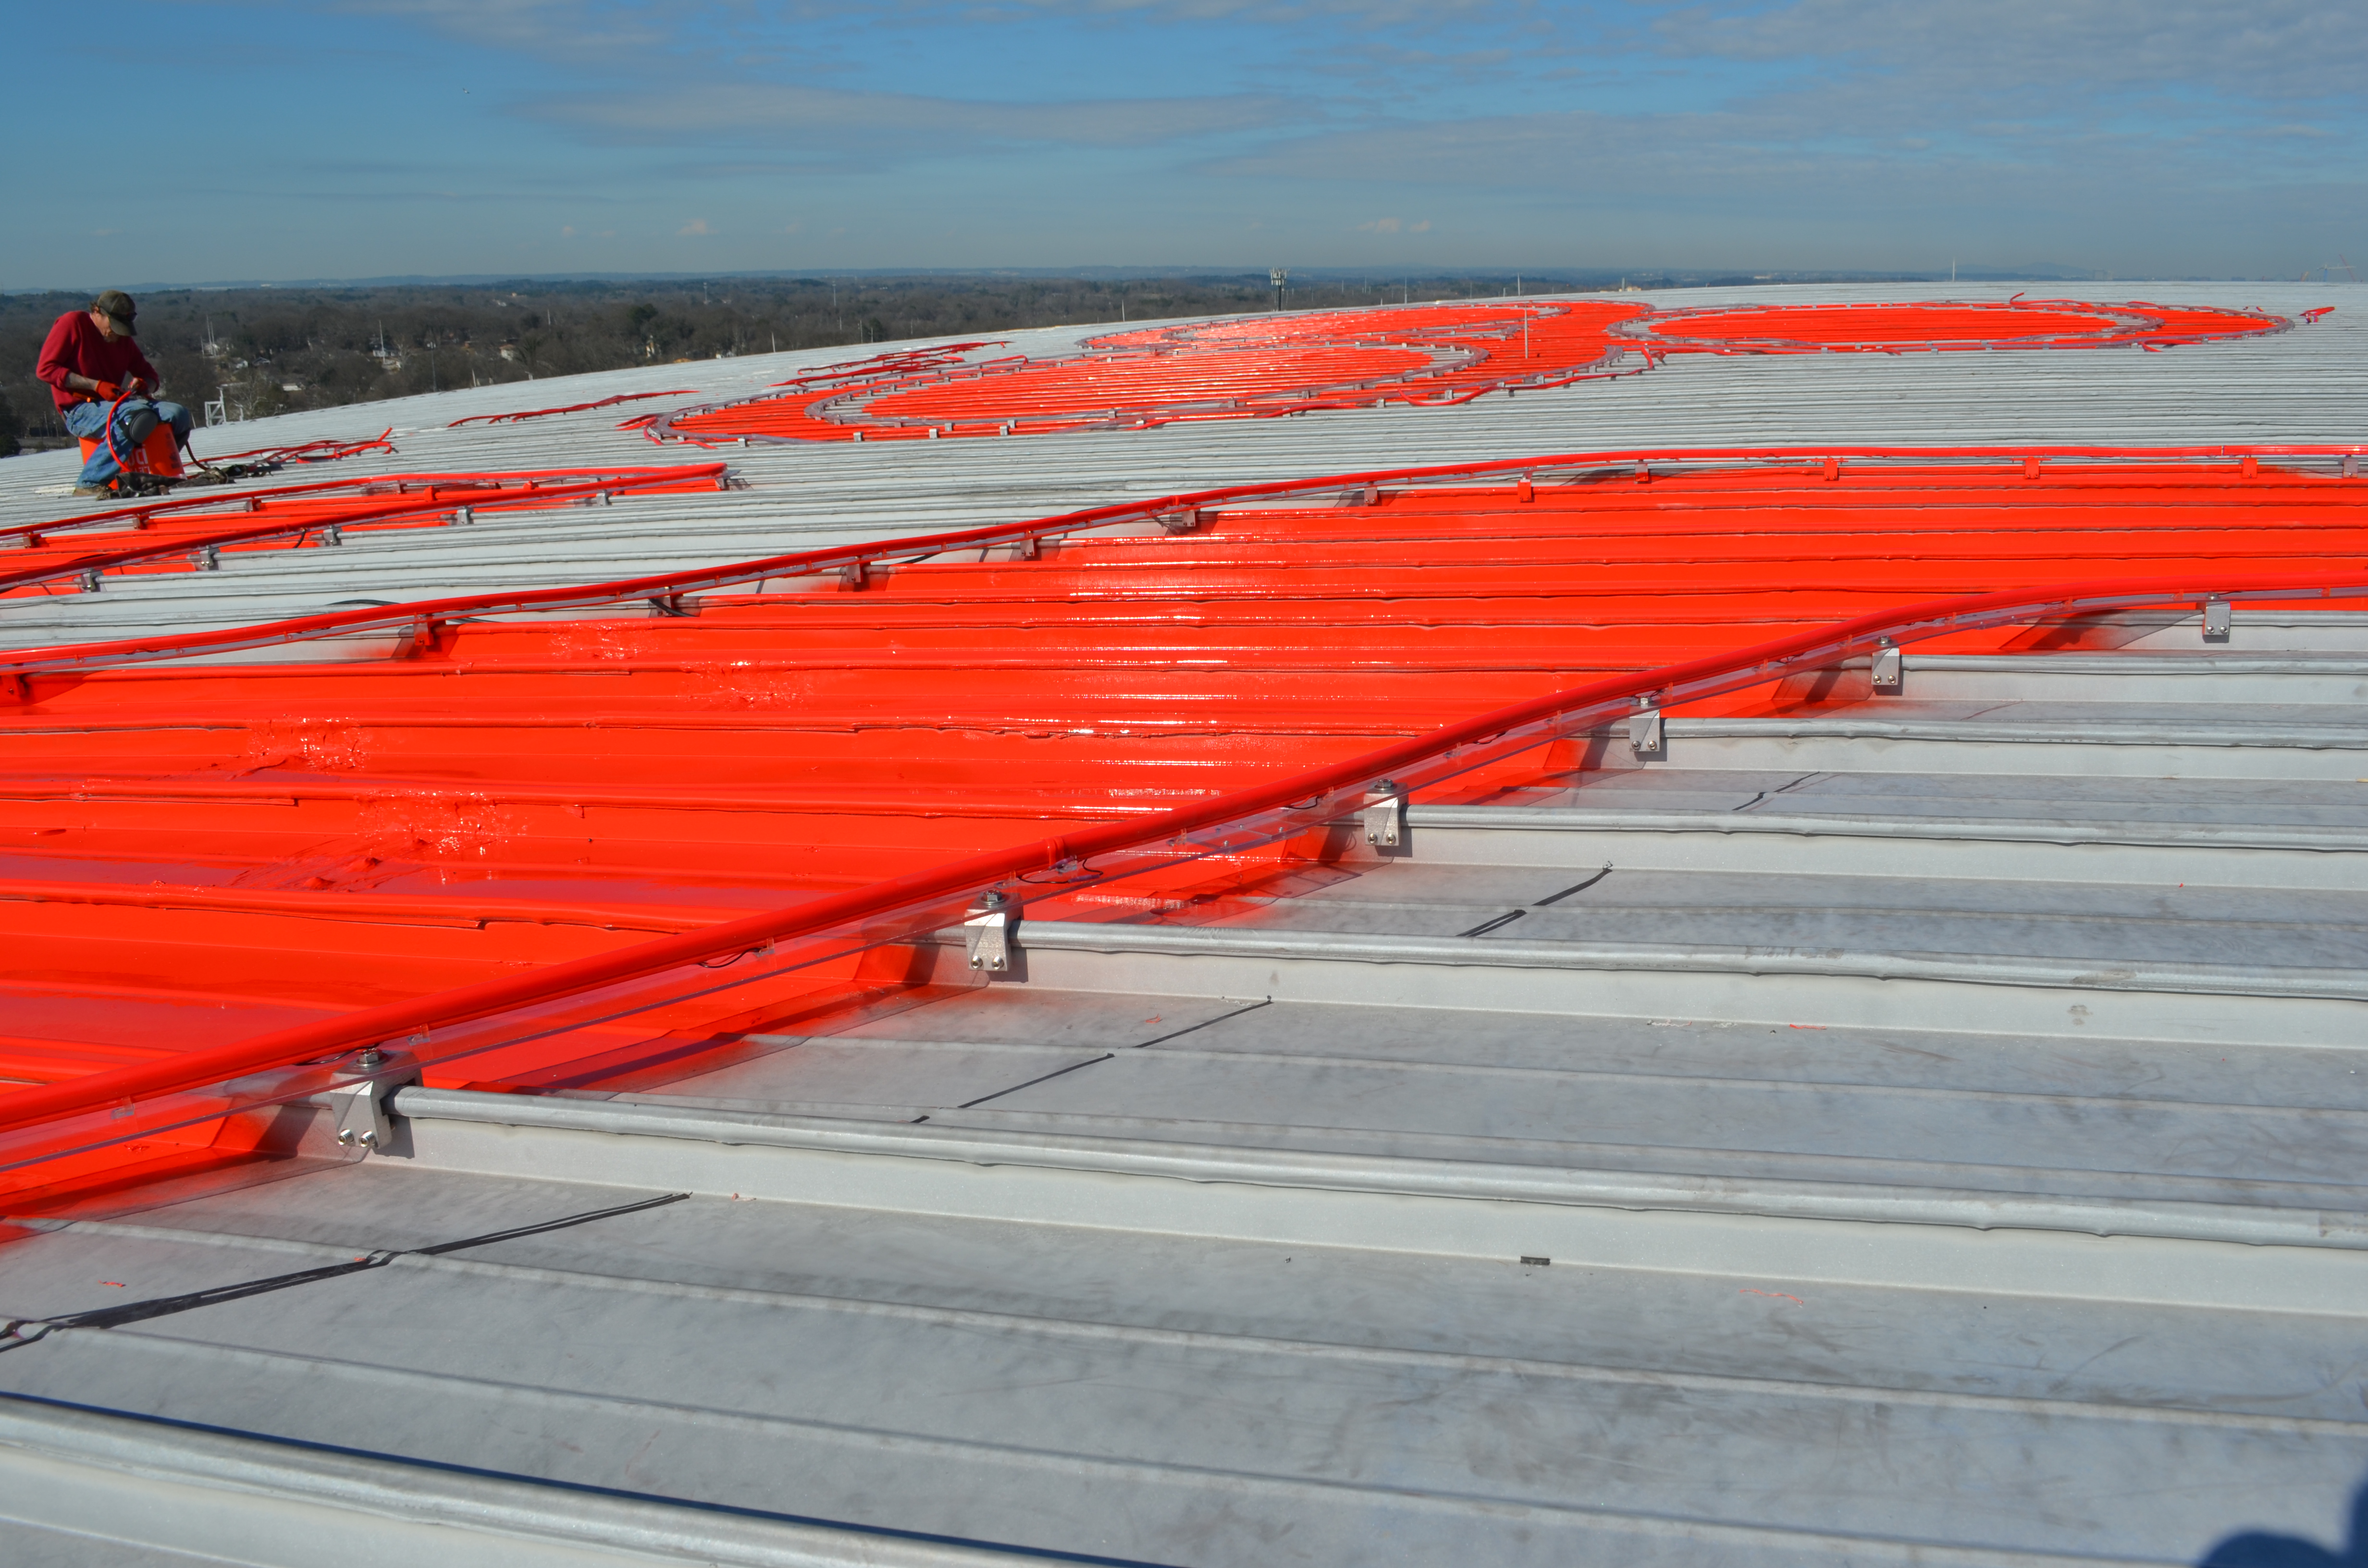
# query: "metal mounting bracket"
{"type": "Point", "coordinates": [1644, 731]}
{"type": "Point", "coordinates": [991, 936]}
{"type": "Point", "coordinates": [206, 560]}
{"type": "Point", "coordinates": [1887, 672]}
{"type": "Point", "coordinates": [361, 1106]}
{"type": "Point", "coordinates": [1182, 522]}
{"type": "Point", "coordinates": [2219, 619]}
{"type": "Point", "coordinates": [418, 637]}
{"type": "Point", "coordinates": [1385, 822]}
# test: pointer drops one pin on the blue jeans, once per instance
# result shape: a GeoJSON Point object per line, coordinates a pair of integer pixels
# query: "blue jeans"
{"type": "Point", "coordinates": [135, 417]}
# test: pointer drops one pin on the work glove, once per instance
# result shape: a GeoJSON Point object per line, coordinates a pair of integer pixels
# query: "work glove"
{"type": "Point", "coordinates": [108, 392]}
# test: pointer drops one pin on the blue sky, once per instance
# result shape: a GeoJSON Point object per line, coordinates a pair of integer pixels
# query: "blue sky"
{"type": "Point", "coordinates": [367, 138]}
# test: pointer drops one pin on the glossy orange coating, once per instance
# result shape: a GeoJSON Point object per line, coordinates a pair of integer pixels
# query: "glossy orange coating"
{"type": "Point", "coordinates": [192, 856]}
{"type": "Point", "coordinates": [1949, 325]}
{"type": "Point", "coordinates": [1266, 366]}
{"type": "Point", "coordinates": [1237, 369]}
{"type": "Point", "coordinates": [173, 534]}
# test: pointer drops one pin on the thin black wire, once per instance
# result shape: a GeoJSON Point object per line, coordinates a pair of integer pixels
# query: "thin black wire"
{"type": "Point", "coordinates": [12, 1337]}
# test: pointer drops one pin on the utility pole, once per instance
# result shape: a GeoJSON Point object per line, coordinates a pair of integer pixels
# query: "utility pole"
{"type": "Point", "coordinates": [1278, 276]}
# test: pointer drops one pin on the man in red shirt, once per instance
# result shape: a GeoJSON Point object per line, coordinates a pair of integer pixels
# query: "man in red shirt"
{"type": "Point", "coordinates": [105, 388]}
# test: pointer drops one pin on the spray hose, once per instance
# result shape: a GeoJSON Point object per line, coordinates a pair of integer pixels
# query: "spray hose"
{"type": "Point", "coordinates": [112, 408]}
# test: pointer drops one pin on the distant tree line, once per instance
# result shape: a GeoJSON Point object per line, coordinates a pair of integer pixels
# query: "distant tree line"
{"type": "Point", "coordinates": [265, 351]}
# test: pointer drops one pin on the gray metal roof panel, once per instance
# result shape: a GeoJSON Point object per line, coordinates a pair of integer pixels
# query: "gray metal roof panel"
{"type": "Point", "coordinates": [1926, 1175]}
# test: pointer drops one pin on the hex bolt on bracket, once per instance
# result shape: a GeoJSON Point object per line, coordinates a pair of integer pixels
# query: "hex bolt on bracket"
{"type": "Point", "coordinates": [2219, 618]}
{"type": "Point", "coordinates": [361, 1104]}
{"type": "Point", "coordinates": [989, 935]}
{"type": "Point", "coordinates": [1644, 728]}
{"type": "Point", "coordinates": [1386, 816]}
{"type": "Point", "coordinates": [1887, 671]}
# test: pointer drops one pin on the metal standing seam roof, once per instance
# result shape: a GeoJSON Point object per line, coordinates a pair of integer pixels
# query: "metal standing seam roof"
{"type": "Point", "coordinates": [1644, 998]}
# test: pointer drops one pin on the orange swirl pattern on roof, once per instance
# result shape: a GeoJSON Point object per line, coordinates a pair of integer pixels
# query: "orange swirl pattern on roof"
{"type": "Point", "coordinates": [1240, 368]}
{"type": "Point", "coordinates": [1147, 382]}
{"type": "Point", "coordinates": [1426, 355]}
{"type": "Point", "coordinates": [1941, 324]}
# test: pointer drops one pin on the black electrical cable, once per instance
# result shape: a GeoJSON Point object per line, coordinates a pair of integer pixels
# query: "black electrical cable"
{"type": "Point", "coordinates": [19, 1333]}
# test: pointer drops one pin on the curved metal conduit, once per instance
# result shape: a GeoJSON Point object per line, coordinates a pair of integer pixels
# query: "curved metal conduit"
{"type": "Point", "coordinates": [569, 408]}
{"type": "Point", "coordinates": [327, 449]}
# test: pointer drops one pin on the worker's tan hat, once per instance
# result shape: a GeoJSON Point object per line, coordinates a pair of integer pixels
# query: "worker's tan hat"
{"type": "Point", "coordinates": [116, 304]}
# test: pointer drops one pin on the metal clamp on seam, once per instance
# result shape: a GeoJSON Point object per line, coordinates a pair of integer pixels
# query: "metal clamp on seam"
{"type": "Point", "coordinates": [990, 933]}
{"type": "Point", "coordinates": [2219, 619]}
{"type": "Point", "coordinates": [1887, 672]}
{"type": "Point", "coordinates": [1385, 815]}
{"type": "Point", "coordinates": [361, 1104]}
{"type": "Point", "coordinates": [1645, 727]}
